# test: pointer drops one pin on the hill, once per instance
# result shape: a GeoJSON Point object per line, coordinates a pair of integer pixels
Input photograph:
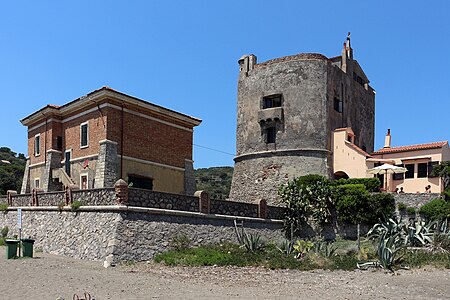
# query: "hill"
{"type": "Point", "coordinates": [11, 170]}
{"type": "Point", "coordinates": [215, 180]}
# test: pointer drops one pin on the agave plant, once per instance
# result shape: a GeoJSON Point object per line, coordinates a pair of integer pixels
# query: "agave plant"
{"type": "Point", "coordinates": [251, 242]}
{"type": "Point", "coordinates": [420, 233]}
{"type": "Point", "coordinates": [286, 247]}
{"type": "Point", "coordinates": [324, 248]}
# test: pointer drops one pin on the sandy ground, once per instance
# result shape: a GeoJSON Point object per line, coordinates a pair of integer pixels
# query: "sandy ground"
{"type": "Point", "coordinates": [49, 277]}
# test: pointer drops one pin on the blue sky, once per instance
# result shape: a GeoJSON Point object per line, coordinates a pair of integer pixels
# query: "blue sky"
{"type": "Point", "coordinates": [183, 55]}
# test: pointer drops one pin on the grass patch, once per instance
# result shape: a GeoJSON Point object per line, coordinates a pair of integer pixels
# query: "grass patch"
{"type": "Point", "coordinates": [269, 257]}
{"type": "Point", "coordinates": [419, 258]}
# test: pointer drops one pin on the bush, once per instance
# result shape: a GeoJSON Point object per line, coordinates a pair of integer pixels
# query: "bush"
{"type": "Point", "coordinates": [352, 203]}
{"type": "Point", "coordinates": [411, 210]}
{"type": "Point", "coordinates": [401, 206]}
{"type": "Point", "coordinates": [75, 205]}
{"type": "Point", "coordinates": [382, 206]}
{"type": "Point", "coordinates": [304, 197]}
{"type": "Point", "coordinates": [436, 209]}
{"type": "Point", "coordinates": [371, 184]}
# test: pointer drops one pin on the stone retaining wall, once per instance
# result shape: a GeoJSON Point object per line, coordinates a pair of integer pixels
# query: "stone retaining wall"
{"type": "Point", "coordinates": [415, 199]}
{"type": "Point", "coordinates": [49, 199]}
{"type": "Point", "coordinates": [119, 233]}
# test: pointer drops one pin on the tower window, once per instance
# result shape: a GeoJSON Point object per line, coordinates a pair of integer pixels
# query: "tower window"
{"type": "Point", "coordinates": [271, 101]}
{"type": "Point", "coordinates": [271, 134]}
{"type": "Point", "coordinates": [140, 182]}
{"type": "Point", "coordinates": [337, 104]}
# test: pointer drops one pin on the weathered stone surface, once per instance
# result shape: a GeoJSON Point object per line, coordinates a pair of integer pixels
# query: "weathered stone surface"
{"type": "Point", "coordinates": [106, 172]}
{"type": "Point", "coordinates": [304, 120]}
{"type": "Point", "coordinates": [124, 235]}
{"type": "Point", "coordinates": [415, 200]}
{"type": "Point", "coordinates": [82, 235]}
{"type": "Point", "coordinates": [143, 235]}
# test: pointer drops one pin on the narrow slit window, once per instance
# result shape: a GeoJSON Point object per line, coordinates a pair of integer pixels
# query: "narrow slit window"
{"type": "Point", "coordinates": [84, 135]}
{"type": "Point", "coordinates": [271, 134]}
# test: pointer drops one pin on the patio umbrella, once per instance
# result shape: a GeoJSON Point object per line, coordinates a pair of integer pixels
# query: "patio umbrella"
{"type": "Point", "coordinates": [387, 169]}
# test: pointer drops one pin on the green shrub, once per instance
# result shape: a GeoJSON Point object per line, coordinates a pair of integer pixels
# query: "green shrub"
{"type": "Point", "coordinates": [401, 206]}
{"type": "Point", "coordinates": [4, 207]}
{"type": "Point", "coordinates": [371, 184]}
{"type": "Point", "coordinates": [75, 205]}
{"type": "Point", "coordinates": [411, 210]}
{"type": "Point", "coordinates": [304, 197]}
{"type": "Point", "coordinates": [436, 209]}
{"type": "Point", "coordinates": [311, 179]}
{"type": "Point", "coordinates": [180, 241]}
{"type": "Point", "coordinates": [382, 206]}
{"type": "Point", "coordinates": [352, 203]}
{"type": "Point", "coordinates": [4, 232]}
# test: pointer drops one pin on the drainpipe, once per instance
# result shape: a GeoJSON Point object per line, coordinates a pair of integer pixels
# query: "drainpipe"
{"type": "Point", "coordinates": [45, 141]}
{"type": "Point", "coordinates": [121, 145]}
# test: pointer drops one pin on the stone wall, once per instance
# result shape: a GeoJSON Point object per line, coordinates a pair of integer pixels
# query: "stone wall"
{"type": "Point", "coordinates": [49, 199]}
{"type": "Point", "coordinates": [225, 207]}
{"type": "Point", "coordinates": [143, 235]}
{"type": "Point", "coordinates": [83, 235]}
{"type": "Point", "coordinates": [119, 233]}
{"type": "Point", "coordinates": [3, 199]}
{"type": "Point", "coordinates": [147, 198]}
{"type": "Point", "coordinates": [415, 199]}
{"type": "Point", "coordinates": [105, 196]}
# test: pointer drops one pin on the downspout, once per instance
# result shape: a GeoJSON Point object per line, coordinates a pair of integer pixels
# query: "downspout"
{"type": "Point", "coordinates": [121, 145]}
{"type": "Point", "coordinates": [45, 142]}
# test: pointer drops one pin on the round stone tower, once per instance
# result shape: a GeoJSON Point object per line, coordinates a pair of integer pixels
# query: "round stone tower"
{"type": "Point", "coordinates": [287, 110]}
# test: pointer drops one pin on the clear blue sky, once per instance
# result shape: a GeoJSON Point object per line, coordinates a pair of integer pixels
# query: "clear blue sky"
{"type": "Point", "coordinates": [183, 55]}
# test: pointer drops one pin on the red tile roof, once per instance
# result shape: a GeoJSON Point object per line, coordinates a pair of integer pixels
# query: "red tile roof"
{"type": "Point", "coordinates": [357, 149]}
{"type": "Point", "coordinates": [301, 56]}
{"type": "Point", "coordinates": [411, 148]}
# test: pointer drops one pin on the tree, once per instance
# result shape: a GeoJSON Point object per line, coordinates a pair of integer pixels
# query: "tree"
{"type": "Point", "coordinates": [11, 170]}
{"type": "Point", "coordinates": [443, 171]}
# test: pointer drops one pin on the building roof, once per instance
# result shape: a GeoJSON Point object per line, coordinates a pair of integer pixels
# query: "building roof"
{"type": "Point", "coordinates": [301, 56]}
{"type": "Point", "coordinates": [101, 94]}
{"type": "Point", "coordinates": [357, 149]}
{"type": "Point", "coordinates": [427, 146]}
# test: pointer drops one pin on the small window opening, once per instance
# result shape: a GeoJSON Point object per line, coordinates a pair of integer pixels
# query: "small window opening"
{"type": "Point", "coordinates": [271, 135]}
{"type": "Point", "coordinates": [37, 144]}
{"type": "Point", "coordinates": [272, 101]}
{"type": "Point", "coordinates": [84, 134]}
{"type": "Point", "coordinates": [59, 142]}
{"type": "Point", "coordinates": [337, 104]}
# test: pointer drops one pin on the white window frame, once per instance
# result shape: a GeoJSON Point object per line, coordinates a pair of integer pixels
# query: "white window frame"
{"type": "Point", "coordinates": [37, 150]}
{"type": "Point", "coordinates": [87, 180]}
{"type": "Point", "coordinates": [37, 183]}
{"type": "Point", "coordinates": [87, 135]}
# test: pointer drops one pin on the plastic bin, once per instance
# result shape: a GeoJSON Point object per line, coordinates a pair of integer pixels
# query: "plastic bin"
{"type": "Point", "coordinates": [27, 247]}
{"type": "Point", "coordinates": [11, 248]}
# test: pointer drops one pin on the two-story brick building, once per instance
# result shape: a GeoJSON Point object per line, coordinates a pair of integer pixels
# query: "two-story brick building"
{"type": "Point", "coordinates": [96, 139]}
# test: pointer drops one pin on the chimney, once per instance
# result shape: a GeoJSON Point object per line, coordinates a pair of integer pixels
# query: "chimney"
{"type": "Point", "coordinates": [387, 140]}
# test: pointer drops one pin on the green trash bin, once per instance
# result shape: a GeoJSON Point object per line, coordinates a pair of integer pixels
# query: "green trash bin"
{"type": "Point", "coordinates": [11, 248]}
{"type": "Point", "coordinates": [27, 247]}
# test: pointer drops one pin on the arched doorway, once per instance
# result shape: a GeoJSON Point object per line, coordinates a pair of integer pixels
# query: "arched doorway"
{"type": "Point", "coordinates": [340, 175]}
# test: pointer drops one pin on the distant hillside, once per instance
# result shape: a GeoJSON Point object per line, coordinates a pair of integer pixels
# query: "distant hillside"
{"type": "Point", "coordinates": [11, 170]}
{"type": "Point", "coordinates": [215, 180]}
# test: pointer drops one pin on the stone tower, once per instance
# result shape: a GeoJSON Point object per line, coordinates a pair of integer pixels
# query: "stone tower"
{"type": "Point", "coordinates": [287, 110]}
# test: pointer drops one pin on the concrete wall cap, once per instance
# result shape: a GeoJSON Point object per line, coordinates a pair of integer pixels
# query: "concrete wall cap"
{"type": "Point", "coordinates": [121, 182]}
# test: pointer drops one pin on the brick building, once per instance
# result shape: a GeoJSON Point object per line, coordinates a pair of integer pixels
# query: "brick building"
{"type": "Point", "coordinates": [96, 139]}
